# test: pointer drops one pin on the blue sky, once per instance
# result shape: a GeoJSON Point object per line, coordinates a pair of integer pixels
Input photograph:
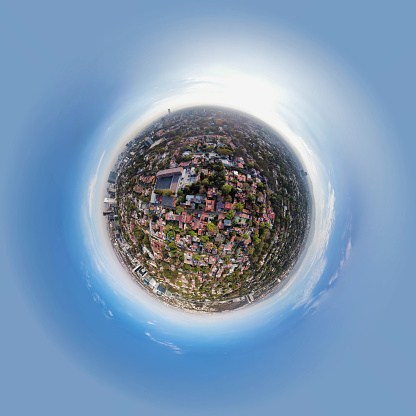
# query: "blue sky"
{"type": "Point", "coordinates": [69, 71]}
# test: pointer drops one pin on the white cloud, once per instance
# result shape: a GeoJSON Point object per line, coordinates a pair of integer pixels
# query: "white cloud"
{"type": "Point", "coordinates": [334, 277]}
{"type": "Point", "coordinates": [342, 262]}
{"type": "Point", "coordinates": [318, 266]}
{"type": "Point", "coordinates": [170, 345]}
{"type": "Point", "coordinates": [313, 304]}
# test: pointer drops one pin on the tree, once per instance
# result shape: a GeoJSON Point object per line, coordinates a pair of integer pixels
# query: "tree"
{"type": "Point", "coordinates": [179, 210]}
{"type": "Point", "coordinates": [239, 207]}
{"type": "Point", "coordinates": [245, 236]}
{"type": "Point", "coordinates": [265, 225]}
{"type": "Point", "coordinates": [210, 227]}
{"type": "Point", "coordinates": [230, 215]}
{"type": "Point", "coordinates": [256, 240]}
{"type": "Point", "coordinates": [226, 189]}
{"type": "Point", "coordinates": [173, 247]}
{"type": "Point", "coordinates": [225, 152]}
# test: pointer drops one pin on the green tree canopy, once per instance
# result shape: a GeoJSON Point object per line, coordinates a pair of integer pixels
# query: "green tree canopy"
{"type": "Point", "coordinates": [226, 189]}
{"type": "Point", "coordinates": [239, 207]}
{"type": "Point", "coordinates": [230, 215]}
{"type": "Point", "coordinates": [225, 152]}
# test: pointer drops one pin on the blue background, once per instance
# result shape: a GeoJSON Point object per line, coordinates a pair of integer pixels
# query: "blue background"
{"type": "Point", "coordinates": [59, 353]}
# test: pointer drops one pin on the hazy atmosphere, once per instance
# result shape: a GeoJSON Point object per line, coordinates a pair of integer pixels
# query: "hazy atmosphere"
{"type": "Point", "coordinates": [80, 80]}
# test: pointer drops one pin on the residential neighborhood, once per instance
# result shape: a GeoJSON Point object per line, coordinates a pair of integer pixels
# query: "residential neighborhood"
{"type": "Point", "coordinates": [207, 209]}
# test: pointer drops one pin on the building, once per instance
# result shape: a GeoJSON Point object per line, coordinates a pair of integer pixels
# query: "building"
{"type": "Point", "coordinates": [169, 172]}
{"type": "Point", "coordinates": [148, 142]}
{"type": "Point", "coordinates": [112, 202]}
{"type": "Point", "coordinates": [249, 298]}
{"type": "Point", "coordinates": [168, 179]}
{"type": "Point", "coordinates": [209, 205]}
{"type": "Point", "coordinates": [113, 177]}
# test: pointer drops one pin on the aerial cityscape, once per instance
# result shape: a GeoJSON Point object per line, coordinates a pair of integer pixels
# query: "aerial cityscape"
{"type": "Point", "coordinates": [208, 209]}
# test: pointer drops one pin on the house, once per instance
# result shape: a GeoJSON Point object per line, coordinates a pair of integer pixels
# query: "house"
{"type": "Point", "coordinates": [157, 248]}
{"type": "Point", "coordinates": [204, 217]}
{"type": "Point", "coordinates": [219, 238]}
{"type": "Point", "coordinates": [212, 260]}
{"type": "Point", "coordinates": [212, 192]}
{"type": "Point", "coordinates": [188, 257]}
{"type": "Point", "coordinates": [199, 199]}
{"type": "Point", "coordinates": [209, 205]}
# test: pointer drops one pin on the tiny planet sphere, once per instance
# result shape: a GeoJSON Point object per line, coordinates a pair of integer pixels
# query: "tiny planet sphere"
{"type": "Point", "coordinates": [208, 209]}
